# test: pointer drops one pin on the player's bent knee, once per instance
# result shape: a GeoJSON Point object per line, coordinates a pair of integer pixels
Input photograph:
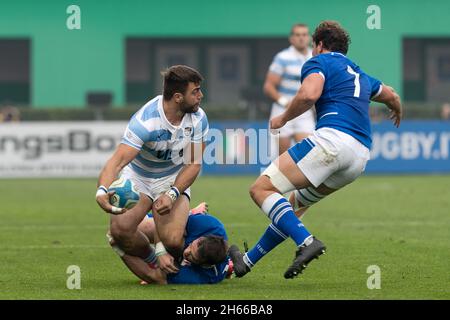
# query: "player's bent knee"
{"type": "Point", "coordinates": [115, 232]}
{"type": "Point", "coordinates": [254, 190]}
{"type": "Point", "coordinates": [114, 245]}
{"type": "Point", "coordinates": [173, 244]}
{"type": "Point", "coordinates": [174, 248]}
{"type": "Point", "coordinates": [120, 231]}
{"type": "Point", "coordinates": [259, 188]}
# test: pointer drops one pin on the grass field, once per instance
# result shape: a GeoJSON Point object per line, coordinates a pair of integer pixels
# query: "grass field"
{"type": "Point", "coordinates": [401, 224]}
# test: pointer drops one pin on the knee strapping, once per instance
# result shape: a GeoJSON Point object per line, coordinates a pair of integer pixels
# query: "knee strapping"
{"type": "Point", "coordinates": [308, 196]}
{"type": "Point", "coordinates": [278, 179]}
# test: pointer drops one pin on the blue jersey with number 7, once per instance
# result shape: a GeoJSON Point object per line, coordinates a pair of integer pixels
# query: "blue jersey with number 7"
{"type": "Point", "coordinates": [344, 103]}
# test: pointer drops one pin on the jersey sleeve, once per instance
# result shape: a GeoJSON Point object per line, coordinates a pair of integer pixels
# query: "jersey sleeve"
{"type": "Point", "coordinates": [313, 65]}
{"type": "Point", "coordinates": [201, 129]}
{"type": "Point", "coordinates": [203, 224]}
{"type": "Point", "coordinates": [135, 134]}
{"type": "Point", "coordinates": [277, 66]}
{"type": "Point", "coordinates": [375, 87]}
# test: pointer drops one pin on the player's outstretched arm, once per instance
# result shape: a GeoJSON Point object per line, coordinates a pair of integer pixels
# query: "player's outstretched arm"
{"type": "Point", "coordinates": [391, 99]}
{"type": "Point", "coordinates": [309, 93]}
{"type": "Point", "coordinates": [123, 155]}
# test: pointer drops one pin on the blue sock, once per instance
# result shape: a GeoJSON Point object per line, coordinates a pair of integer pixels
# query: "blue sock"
{"type": "Point", "coordinates": [270, 239]}
{"type": "Point", "coordinates": [283, 217]}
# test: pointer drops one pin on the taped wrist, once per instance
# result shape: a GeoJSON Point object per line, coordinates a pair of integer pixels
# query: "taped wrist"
{"type": "Point", "coordinates": [173, 193]}
{"type": "Point", "coordinates": [101, 190]}
{"type": "Point", "coordinates": [160, 249]}
{"type": "Point", "coordinates": [283, 101]}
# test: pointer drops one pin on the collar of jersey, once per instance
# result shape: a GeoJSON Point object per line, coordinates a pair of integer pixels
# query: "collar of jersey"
{"type": "Point", "coordinates": [335, 52]}
{"type": "Point", "coordinates": [299, 54]}
{"type": "Point", "coordinates": [164, 120]}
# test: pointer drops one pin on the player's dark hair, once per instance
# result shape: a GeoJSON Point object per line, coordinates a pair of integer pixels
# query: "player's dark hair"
{"type": "Point", "coordinates": [212, 250]}
{"type": "Point", "coordinates": [298, 25]}
{"type": "Point", "coordinates": [177, 78]}
{"type": "Point", "coordinates": [333, 36]}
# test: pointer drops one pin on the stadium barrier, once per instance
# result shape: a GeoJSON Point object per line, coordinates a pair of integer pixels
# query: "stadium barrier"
{"type": "Point", "coordinates": [80, 149]}
{"type": "Point", "coordinates": [57, 149]}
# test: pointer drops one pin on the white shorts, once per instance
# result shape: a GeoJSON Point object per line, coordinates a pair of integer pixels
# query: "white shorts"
{"type": "Point", "coordinates": [153, 188]}
{"type": "Point", "coordinates": [331, 157]}
{"type": "Point", "coordinates": [304, 123]}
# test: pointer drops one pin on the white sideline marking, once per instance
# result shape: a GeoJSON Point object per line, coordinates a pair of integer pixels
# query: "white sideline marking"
{"type": "Point", "coordinates": [51, 227]}
{"type": "Point", "coordinates": [55, 246]}
{"type": "Point", "coordinates": [78, 227]}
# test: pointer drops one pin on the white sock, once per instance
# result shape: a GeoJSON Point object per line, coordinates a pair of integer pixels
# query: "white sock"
{"type": "Point", "coordinates": [247, 261]}
{"type": "Point", "coordinates": [269, 202]}
{"type": "Point", "coordinates": [307, 241]}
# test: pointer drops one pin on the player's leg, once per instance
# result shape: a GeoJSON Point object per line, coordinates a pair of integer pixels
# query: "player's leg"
{"type": "Point", "coordinates": [348, 158]}
{"type": "Point", "coordinates": [305, 198]}
{"type": "Point", "coordinates": [284, 142]}
{"type": "Point", "coordinates": [124, 229]}
{"type": "Point", "coordinates": [201, 208]}
{"type": "Point", "coordinates": [272, 237]}
{"type": "Point", "coordinates": [285, 134]}
{"type": "Point", "coordinates": [280, 177]}
{"type": "Point", "coordinates": [171, 227]}
{"type": "Point", "coordinates": [299, 210]}
{"type": "Point", "coordinates": [147, 227]}
{"type": "Point", "coordinates": [295, 169]}
{"type": "Point", "coordinates": [143, 271]}
{"type": "Point", "coordinates": [299, 136]}
{"type": "Point", "coordinates": [304, 125]}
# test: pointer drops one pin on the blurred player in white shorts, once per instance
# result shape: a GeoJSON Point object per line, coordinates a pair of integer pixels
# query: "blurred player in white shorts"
{"type": "Point", "coordinates": [161, 152]}
{"type": "Point", "coordinates": [282, 83]}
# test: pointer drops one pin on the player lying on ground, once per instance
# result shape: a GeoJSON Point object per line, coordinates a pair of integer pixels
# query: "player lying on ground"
{"type": "Point", "coordinates": [332, 157]}
{"type": "Point", "coordinates": [160, 153]}
{"type": "Point", "coordinates": [204, 259]}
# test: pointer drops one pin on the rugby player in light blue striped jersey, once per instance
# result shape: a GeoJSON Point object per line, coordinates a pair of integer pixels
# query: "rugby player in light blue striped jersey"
{"type": "Point", "coordinates": [160, 153]}
{"type": "Point", "coordinates": [282, 83]}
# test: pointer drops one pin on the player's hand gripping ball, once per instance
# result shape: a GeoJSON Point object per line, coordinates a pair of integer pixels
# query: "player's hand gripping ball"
{"type": "Point", "coordinates": [125, 196]}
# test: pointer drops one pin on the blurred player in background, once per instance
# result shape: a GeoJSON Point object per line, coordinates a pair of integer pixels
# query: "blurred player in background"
{"type": "Point", "coordinates": [282, 83]}
{"type": "Point", "coordinates": [332, 157]}
{"type": "Point", "coordinates": [161, 152]}
{"type": "Point", "coordinates": [204, 259]}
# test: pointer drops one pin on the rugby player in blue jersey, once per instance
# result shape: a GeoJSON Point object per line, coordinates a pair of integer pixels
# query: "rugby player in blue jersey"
{"type": "Point", "coordinates": [161, 153]}
{"type": "Point", "coordinates": [332, 157]}
{"type": "Point", "coordinates": [204, 259]}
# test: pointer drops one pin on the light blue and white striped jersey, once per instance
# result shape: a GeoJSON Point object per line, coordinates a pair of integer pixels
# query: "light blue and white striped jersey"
{"type": "Point", "coordinates": [160, 143]}
{"type": "Point", "coordinates": [288, 64]}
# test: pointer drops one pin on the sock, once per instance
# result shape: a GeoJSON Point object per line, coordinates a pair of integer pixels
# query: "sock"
{"type": "Point", "coordinates": [280, 211]}
{"type": "Point", "coordinates": [270, 239]}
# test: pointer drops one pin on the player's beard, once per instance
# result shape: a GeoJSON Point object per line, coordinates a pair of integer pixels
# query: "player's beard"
{"type": "Point", "coordinates": [189, 108]}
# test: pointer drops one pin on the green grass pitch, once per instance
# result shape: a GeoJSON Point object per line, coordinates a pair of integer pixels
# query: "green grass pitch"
{"type": "Point", "coordinates": [399, 223]}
